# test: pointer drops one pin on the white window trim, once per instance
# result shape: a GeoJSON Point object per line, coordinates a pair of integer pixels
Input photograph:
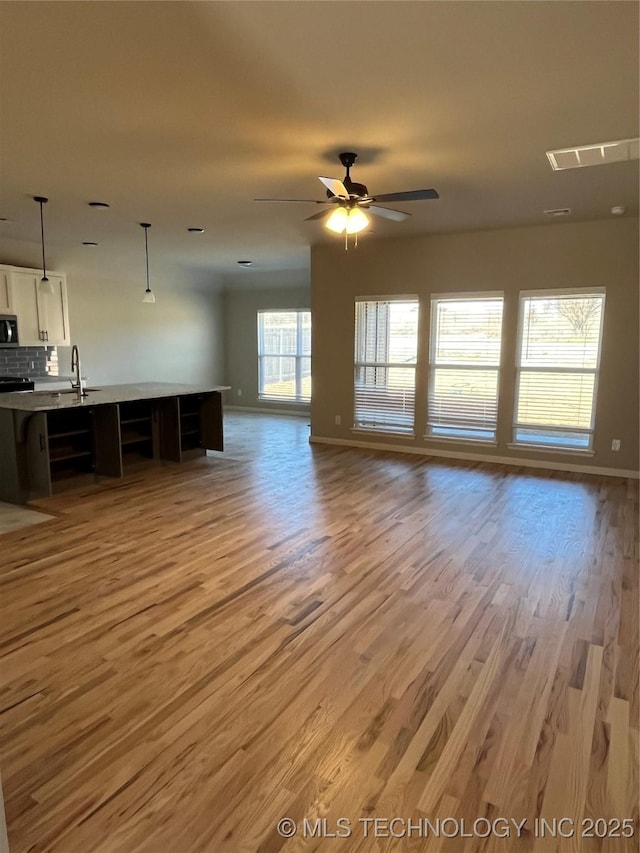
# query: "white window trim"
{"type": "Point", "coordinates": [555, 293]}
{"type": "Point", "coordinates": [550, 448]}
{"type": "Point", "coordinates": [389, 297]}
{"type": "Point", "coordinates": [456, 439]}
{"type": "Point", "coordinates": [384, 430]}
{"type": "Point", "coordinates": [469, 294]}
{"type": "Point", "coordinates": [297, 400]}
{"type": "Point", "coordinates": [552, 293]}
{"type": "Point", "coordinates": [398, 433]}
{"type": "Point", "coordinates": [462, 297]}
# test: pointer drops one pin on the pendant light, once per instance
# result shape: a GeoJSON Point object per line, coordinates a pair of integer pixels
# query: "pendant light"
{"type": "Point", "coordinates": [45, 285]}
{"type": "Point", "coordinates": [148, 294]}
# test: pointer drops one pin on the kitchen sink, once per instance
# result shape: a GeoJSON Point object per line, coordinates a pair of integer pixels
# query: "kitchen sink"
{"type": "Point", "coordinates": [63, 392]}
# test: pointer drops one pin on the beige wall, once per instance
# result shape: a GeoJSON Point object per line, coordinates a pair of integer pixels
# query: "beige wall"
{"type": "Point", "coordinates": [586, 254]}
{"type": "Point", "coordinates": [242, 303]}
{"type": "Point", "coordinates": [179, 339]}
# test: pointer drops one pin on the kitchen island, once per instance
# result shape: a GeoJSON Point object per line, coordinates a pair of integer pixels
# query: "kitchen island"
{"type": "Point", "coordinates": [49, 439]}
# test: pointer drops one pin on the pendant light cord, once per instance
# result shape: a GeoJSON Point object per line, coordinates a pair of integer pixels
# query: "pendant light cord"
{"type": "Point", "coordinates": [148, 294]}
{"type": "Point", "coordinates": [146, 251]}
{"type": "Point", "coordinates": [44, 268]}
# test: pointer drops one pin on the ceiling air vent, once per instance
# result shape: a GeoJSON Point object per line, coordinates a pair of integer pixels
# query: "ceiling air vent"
{"type": "Point", "coordinates": [596, 154]}
{"type": "Point", "coordinates": [559, 211]}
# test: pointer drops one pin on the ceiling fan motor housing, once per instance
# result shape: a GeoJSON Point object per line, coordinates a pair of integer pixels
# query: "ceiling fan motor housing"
{"type": "Point", "coordinates": [354, 189]}
{"type": "Point", "coordinates": [348, 158]}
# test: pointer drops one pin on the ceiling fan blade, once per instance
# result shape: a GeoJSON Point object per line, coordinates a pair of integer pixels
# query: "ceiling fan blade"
{"type": "Point", "coordinates": [318, 215]}
{"type": "Point", "coordinates": [412, 195]}
{"type": "Point", "coordinates": [336, 187]}
{"type": "Point", "coordinates": [396, 215]}
{"type": "Point", "coordinates": [305, 200]}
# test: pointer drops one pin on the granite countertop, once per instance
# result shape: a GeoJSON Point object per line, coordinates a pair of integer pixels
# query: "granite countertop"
{"type": "Point", "coordinates": [52, 401]}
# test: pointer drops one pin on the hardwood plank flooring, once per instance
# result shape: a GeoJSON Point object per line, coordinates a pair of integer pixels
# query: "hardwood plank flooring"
{"type": "Point", "coordinates": [196, 652]}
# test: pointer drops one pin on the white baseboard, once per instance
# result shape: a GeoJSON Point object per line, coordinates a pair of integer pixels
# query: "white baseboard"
{"type": "Point", "coordinates": [296, 413]}
{"type": "Point", "coordinates": [480, 457]}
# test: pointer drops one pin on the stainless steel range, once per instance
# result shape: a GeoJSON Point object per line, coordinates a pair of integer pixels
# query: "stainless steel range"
{"type": "Point", "coordinates": [15, 383]}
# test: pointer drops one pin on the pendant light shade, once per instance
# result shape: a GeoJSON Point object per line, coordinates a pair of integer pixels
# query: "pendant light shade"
{"type": "Point", "coordinates": [45, 285]}
{"type": "Point", "coordinates": [149, 296]}
{"type": "Point", "coordinates": [357, 221]}
{"type": "Point", "coordinates": [337, 221]}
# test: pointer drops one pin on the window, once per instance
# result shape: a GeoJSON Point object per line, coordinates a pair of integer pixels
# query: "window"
{"type": "Point", "coordinates": [464, 363]}
{"type": "Point", "coordinates": [284, 355]}
{"type": "Point", "coordinates": [386, 347]}
{"type": "Point", "coordinates": [559, 349]}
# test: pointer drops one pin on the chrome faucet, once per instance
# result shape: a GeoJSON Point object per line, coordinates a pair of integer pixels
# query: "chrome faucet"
{"type": "Point", "coordinates": [78, 385]}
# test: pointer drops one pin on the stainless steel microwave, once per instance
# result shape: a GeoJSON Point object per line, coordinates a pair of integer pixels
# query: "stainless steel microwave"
{"type": "Point", "coordinates": [9, 330]}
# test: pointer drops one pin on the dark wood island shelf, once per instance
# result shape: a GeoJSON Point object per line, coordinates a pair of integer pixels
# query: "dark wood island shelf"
{"type": "Point", "coordinates": [59, 443]}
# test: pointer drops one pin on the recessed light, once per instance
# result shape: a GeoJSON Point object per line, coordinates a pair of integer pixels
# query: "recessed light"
{"type": "Point", "coordinates": [618, 210]}
{"type": "Point", "coordinates": [99, 205]}
{"type": "Point", "coordinates": [245, 263]}
{"type": "Point", "coordinates": [89, 243]}
{"type": "Point", "coordinates": [195, 230]}
{"type": "Point", "coordinates": [559, 211]}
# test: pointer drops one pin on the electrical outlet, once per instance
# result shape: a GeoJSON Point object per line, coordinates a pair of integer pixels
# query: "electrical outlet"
{"type": "Point", "coordinates": [615, 444]}
{"type": "Point", "coordinates": [239, 392]}
{"type": "Point", "coordinates": [338, 420]}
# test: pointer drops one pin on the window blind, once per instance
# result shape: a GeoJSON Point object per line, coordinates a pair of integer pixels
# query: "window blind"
{"type": "Point", "coordinates": [464, 365]}
{"type": "Point", "coordinates": [386, 348]}
{"type": "Point", "coordinates": [559, 357]}
{"type": "Point", "coordinates": [284, 355]}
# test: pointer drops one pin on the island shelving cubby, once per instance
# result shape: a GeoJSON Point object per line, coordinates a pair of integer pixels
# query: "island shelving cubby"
{"type": "Point", "coordinates": [69, 436]}
{"type": "Point", "coordinates": [136, 431]}
{"type": "Point", "coordinates": [188, 424]}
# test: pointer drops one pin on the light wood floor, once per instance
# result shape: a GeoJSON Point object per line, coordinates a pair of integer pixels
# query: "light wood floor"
{"type": "Point", "coordinates": [193, 654]}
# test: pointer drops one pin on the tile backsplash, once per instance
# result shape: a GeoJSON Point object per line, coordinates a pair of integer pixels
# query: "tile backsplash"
{"type": "Point", "coordinates": [28, 361]}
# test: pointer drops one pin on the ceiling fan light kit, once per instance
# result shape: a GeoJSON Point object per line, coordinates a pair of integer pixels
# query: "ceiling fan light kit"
{"type": "Point", "coordinates": [352, 199]}
{"type": "Point", "coordinates": [349, 220]}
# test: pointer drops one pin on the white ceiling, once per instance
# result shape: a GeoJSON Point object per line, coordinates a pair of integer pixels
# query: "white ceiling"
{"type": "Point", "coordinates": [181, 113]}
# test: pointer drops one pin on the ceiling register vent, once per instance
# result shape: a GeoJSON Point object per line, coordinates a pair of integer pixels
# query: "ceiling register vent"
{"type": "Point", "coordinates": [596, 154]}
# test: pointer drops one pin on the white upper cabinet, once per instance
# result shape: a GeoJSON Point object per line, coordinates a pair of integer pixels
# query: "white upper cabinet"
{"type": "Point", "coordinates": [43, 318]}
{"type": "Point", "coordinates": [24, 292]}
{"type": "Point", "coordinates": [6, 303]}
{"type": "Point", "coordinates": [54, 313]}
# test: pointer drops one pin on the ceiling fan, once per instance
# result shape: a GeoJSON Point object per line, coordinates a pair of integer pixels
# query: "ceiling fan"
{"type": "Point", "coordinates": [350, 199]}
